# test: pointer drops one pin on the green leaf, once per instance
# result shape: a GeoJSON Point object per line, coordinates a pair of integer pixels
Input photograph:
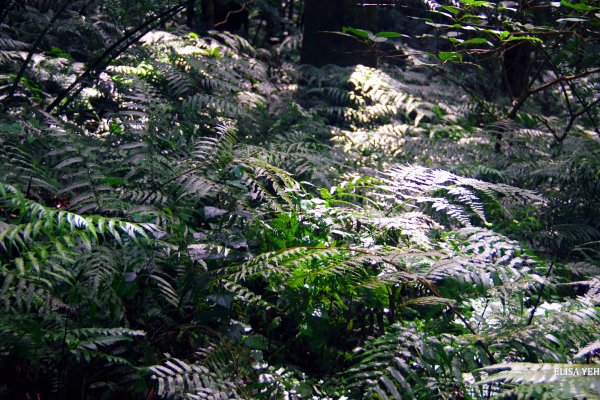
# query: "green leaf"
{"type": "Point", "coordinates": [453, 56]}
{"type": "Point", "coordinates": [579, 6]}
{"type": "Point", "coordinates": [452, 9]}
{"type": "Point", "coordinates": [114, 182]}
{"type": "Point", "coordinates": [377, 39]}
{"type": "Point", "coordinates": [476, 3]}
{"type": "Point", "coordinates": [357, 32]}
{"type": "Point", "coordinates": [257, 342]}
{"type": "Point", "coordinates": [572, 19]}
{"type": "Point", "coordinates": [524, 38]}
{"type": "Point", "coordinates": [11, 128]}
{"type": "Point", "coordinates": [390, 34]}
{"type": "Point", "coordinates": [445, 14]}
{"type": "Point", "coordinates": [417, 62]}
{"type": "Point", "coordinates": [478, 40]}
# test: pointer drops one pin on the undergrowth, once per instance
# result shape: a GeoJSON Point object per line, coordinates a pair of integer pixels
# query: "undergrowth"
{"type": "Point", "coordinates": [199, 223]}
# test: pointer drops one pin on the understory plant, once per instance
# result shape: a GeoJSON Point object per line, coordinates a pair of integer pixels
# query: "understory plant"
{"type": "Point", "coordinates": [197, 223]}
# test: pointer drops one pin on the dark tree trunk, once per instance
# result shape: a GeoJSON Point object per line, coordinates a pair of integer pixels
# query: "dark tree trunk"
{"type": "Point", "coordinates": [291, 10]}
{"type": "Point", "coordinates": [517, 59]}
{"type": "Point", "coordinates": [191, 14]}
{"type": "Point", "coordinates": [322, 46]}
{"type": "Point", "coordinates": [208, 13]}
{"type": "Point", "coordinates": [516, 65]}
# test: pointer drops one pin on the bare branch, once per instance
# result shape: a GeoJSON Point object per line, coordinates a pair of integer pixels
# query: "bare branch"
{"type": "Point", "coordinates": [33, 48]}
{"type": "Point", "coordinates": [564, 78]}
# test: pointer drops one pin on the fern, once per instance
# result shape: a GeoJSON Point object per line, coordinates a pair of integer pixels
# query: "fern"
{"type": "Point", "coordinates": [524, 380]}
{"type": "Point", "coordinates": [38, 249]}
{"type": "Point", "coordinates": [589, 350]}
{"type": "Point", "coordinates": [239, 227]}
{"type": "Point", "coordinates": [212, 376]}
{"type": "Point", "coordinates": [400, 363]}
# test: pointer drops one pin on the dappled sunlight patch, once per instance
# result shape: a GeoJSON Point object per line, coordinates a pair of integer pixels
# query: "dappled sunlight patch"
{"type": "Point", "coordinates": [379, 146]}
{"type": "Point", "coordinates": [157, 36]}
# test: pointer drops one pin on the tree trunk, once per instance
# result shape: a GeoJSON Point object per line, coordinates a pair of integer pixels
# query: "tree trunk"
{"type": "Point", "coordinates": [321, 45]}
{"type": "Point", "coordinates": [191, 14]}
{"type": "Point", "coordinates": [208, 14]}
{"type": "Point", "coordinates": [516, 65]}
{"type": "Point", "coordinates": [291, 10]}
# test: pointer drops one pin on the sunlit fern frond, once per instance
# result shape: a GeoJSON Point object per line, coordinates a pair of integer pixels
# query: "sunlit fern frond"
{"type": "Point", "coordinates": [201, 103]}
{"type": "Point", "coordinates": [484, 259]}
{"type": "Point", "coordinates": [555, 327]}
{"type": "Point", "coordinates": [210, 151]}
{"type": "Point", "coordinates": [306, 264]}
{"type": "Point", "coordinates": [179, 379]}
{"type": "Point", "coordinates": [297, 153]}
{"type": "Point", "coordinates": [533, 381]}
{"type": "Point", "coordinates": [90, 343]}
{"type": "Point", "coordinates": [45, 238]}
{"type": "Point", "coordinates": [364, 97]}
{"type": "Point", "coordinates": [590, 350]}
{"type": "Point", "coordinates": [266, 182]}
{"type": "Point", "coordinates": [9, 46]}
{"type": "Point", "coordinates": [408, 186]}
{"type": "Point", "coordinates": [234, 42]}
{"type": "Point", "coordinates": [401, 363]}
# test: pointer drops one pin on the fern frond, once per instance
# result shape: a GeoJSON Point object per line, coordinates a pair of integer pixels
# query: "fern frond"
{"type": "Point", "coordinates": [589, 350]}
{"type": "Point", "coordinates": [400, 363]}
{"type": "Point", "coordinates": [266, 181]}
{"type": "Point", "coordinates": [176, 377]}
{"type": "Point", "coordinates": [573, 381]}
{"type": "Point", "coordinates": [200, 103]}
{"type": "Point", "coordinates": [51, 232]}
{"type": "Point", "coordinates": [409, 186]}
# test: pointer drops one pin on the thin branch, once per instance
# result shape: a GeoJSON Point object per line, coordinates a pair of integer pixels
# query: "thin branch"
{"type": "Point", "coordinates": [537, 302]}
{"type": "Point", "coordinates": [586, 108]}
{"type": "Point", "coordinates": [564, 78]}
{"type": "Point", "coordinates": [572, 117]}
{"type": "Point", "coordinates": [463, 319]}
{"type": "Point", "coordinates": [108, 59]}
{"type": "Point", "coordinates": [229, 13]}
{"type": "Point", "coordinates": [434, 290]}
{"type": "Point", "coordinates": [547, 125]}
{"type": "Point", "coordinates": [33, 49]}
{"type": "Point", "coordinates": [567, 100]}
{"type": "Point", "coordinates": [96, 65]}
